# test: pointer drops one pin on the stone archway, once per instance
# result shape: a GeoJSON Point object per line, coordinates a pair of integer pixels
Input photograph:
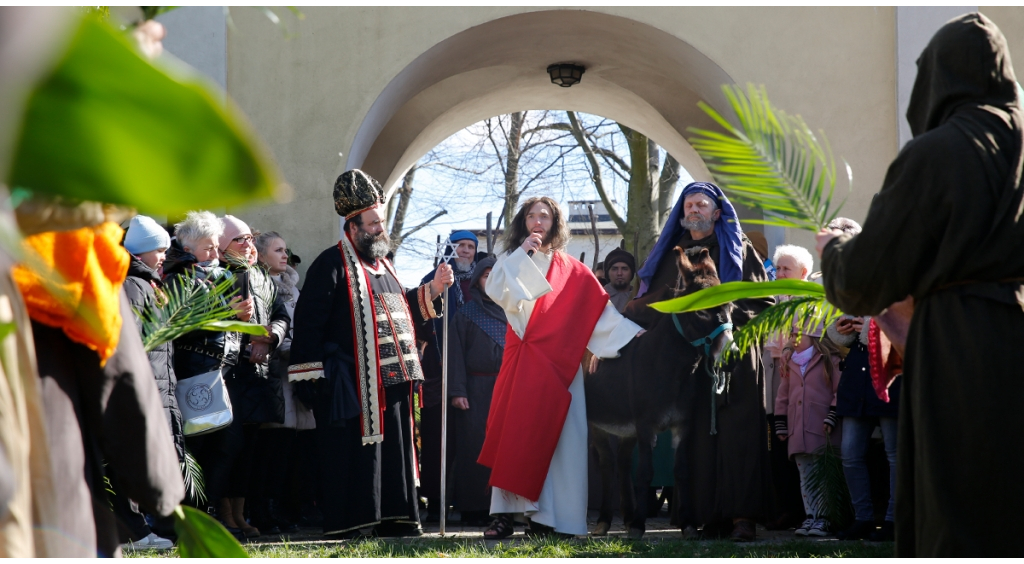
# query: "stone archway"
{"type": "Point", "coordinates": [636, 74]}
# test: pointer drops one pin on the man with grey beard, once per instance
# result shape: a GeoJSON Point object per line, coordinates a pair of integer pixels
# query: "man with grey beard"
{"type": "Point", "coordinates": [354, 361]}
{"type": "Point", "coordinates": [726, 450]}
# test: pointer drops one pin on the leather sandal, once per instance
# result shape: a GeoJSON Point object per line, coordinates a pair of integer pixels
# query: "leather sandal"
{"type": "Point", "coordinates": [501, 528]}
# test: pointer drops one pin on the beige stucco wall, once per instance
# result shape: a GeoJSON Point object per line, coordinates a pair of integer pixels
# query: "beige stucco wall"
{"type": "Point", "coordinates": [309, 94]}
{"type": "Point", "coordinates": [1010, 20]}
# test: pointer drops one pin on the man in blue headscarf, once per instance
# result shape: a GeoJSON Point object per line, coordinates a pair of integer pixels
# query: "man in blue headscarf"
{"type": "Point", "coordinates": [730, 486]}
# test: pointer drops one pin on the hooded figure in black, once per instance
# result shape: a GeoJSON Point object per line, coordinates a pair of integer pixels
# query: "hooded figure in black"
{"type": "Point", "coordinates": [476, 348]}
{"type": "Point", "coordinates": [946, 229]}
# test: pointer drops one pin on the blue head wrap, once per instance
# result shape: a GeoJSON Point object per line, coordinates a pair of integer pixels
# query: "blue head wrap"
{"type": "Point", "coordinates": [462, 235]}
{"type": "Point", "coordinates": [727, 228]}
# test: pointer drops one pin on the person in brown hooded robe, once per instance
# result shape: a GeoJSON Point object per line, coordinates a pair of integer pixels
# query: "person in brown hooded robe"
{"type": "Point", "coordinates": [946, 229]}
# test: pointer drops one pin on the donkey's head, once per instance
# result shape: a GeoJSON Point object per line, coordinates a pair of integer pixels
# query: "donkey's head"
{"type": "Point", "coordinates": [697, 272]}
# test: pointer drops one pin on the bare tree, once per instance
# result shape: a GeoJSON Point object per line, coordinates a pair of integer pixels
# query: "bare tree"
{"type": "Point", "coordinates": [649, 192]}
{"type": "Point", "coordinates": [562, 154]}
{"type": "Point", "coordinates": [404, 196]}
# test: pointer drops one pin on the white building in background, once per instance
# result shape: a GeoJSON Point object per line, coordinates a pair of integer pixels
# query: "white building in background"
{"type": "Point", "coordinates": [582, 243]}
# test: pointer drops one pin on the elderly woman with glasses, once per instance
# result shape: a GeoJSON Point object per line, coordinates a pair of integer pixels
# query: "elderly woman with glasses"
{"type": "Point", "coordinates": [255, 397]}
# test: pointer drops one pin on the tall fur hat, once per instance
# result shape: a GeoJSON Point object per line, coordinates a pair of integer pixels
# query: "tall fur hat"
{"type": "Point", "coordinates": [355, 192]}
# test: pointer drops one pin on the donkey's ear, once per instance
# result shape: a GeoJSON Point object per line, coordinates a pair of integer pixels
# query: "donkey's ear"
{"type": "Point", "coordinates": [681, 257]}
{"type": "Point", "coordinates": [683, 261]}
{"type": "Point", "coordinates": [703, 255]}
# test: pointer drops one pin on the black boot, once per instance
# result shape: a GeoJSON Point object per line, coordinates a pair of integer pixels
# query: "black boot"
{"type": "Point", "coordinates": [278, 516]}
{"type": "Point", "coordinates": [887, 532]}
{"type": "Point", "coordinates": [859, 530]}
{"type": "Point", "coordinates": [259, 517]}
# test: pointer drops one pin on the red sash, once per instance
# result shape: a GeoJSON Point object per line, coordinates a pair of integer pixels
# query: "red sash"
{"type": "Point", "coordinates": [531, 395]}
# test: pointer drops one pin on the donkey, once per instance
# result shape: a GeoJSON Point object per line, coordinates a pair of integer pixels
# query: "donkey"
{"type": "Point", "coordinates": [649, 387]}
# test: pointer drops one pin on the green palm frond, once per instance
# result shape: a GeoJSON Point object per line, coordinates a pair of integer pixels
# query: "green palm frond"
{"type": "Point", "coordinates": [772, 161]}
{"type": "Point", "coordinates": [201, 536]}
{"type": "Point", "coordinates": [189, 305]}
{"type": "Point", "coordinates": [827, 486]}
{"type": "Point", "coordinates": [192, 476]}
{"type": "Point", "coordinates": [732, 291]}
{"type": "Point", "coordinates": [779, 320]}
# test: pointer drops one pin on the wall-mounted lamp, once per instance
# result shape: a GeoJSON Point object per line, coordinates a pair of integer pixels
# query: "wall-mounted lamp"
{"type": "Point", "coordinates": [565, 74]}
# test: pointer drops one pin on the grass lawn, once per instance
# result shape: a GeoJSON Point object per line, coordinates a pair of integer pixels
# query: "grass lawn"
{"type": "Point", "coordinates": [551, 548]}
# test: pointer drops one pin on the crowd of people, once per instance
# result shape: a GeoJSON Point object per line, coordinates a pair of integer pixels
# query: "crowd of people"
{"type": "Point", "coordinates": [324, 428]}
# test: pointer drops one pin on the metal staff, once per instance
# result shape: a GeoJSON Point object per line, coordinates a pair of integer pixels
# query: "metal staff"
{"type": "Point", "coordinates": [445, 298]}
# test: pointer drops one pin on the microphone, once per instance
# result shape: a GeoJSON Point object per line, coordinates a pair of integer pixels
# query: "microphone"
{"type": "Point", "coordinates": [529, 253]}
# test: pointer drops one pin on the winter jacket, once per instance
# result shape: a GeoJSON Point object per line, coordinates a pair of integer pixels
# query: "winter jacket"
{"type": "Point", "coordinates": [296, 415]}
{"type": "Point", "coordinates": [140, 287]}
{"type": "Point", "coordinates": [255, 396]}
{"type": "Point", "coordinates": [804, 403]}
{"type": "Point", "coordinates": [856, 396]}
{"type": "Point", "coordinates": [198, 352]}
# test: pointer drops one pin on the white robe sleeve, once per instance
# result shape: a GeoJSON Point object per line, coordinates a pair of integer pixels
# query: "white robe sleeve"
{"type": "Point", "coordinates": [515, 280]}
{"type": "Point", "coordinates": [611, 333]}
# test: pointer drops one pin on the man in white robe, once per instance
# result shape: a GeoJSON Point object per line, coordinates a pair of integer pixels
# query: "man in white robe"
{"type": "Point", "coordinates": [517, 283]}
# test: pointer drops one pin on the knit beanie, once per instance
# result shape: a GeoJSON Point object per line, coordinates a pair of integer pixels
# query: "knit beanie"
{"type": "Point", "coordinates": [145, 235]}
{"type": "Point", "coordinates": [233, 227]}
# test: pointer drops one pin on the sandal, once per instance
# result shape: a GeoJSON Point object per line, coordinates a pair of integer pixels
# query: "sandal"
{"type": "Point", "coordinates": [501, 528]}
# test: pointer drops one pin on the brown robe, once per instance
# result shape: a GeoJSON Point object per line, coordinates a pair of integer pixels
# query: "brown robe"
{"type": "Point", "coordinates": [945, 228]}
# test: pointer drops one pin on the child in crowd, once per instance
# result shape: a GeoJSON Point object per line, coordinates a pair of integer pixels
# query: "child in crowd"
{"type": "Point", "coordinates": [790, 262]}
{"type": "Point", "coordinates": [805, 413]}
{"type": "Point", "coordinates": [805, 390]}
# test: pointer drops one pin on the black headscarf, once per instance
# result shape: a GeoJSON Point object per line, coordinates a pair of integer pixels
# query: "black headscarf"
{"type": "Point", "coordinates": [491, 308]}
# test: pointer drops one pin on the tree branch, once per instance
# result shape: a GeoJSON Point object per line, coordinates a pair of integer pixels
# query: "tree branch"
{"type": "Point", "coordinates": [595, 170]}
{"type": "Point", "coordinates": [405, 235]}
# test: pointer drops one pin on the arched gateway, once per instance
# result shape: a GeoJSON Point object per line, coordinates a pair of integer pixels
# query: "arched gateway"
{"type": "Point", "coordinates": [635, 74]}
{"type": "Point", "coordinates": [382, 85]}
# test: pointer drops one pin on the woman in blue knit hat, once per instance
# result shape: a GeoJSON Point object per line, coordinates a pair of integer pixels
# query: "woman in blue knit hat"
{"type": "Point", "coordinates": [148, 241]}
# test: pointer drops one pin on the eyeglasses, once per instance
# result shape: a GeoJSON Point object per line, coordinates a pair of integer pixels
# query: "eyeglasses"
{"type": "Point", "coordinates": [242, 239]}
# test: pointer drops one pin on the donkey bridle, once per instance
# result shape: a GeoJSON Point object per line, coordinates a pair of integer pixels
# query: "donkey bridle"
{"type": "Point", "coordinates": [706, 341]}
{"type": "Point", "coordinates": [718, 381]}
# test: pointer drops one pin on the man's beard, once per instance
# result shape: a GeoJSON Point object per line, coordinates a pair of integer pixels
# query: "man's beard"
{"type": "Point", "coordinates": [701, 225]}
{"type": "Point", "coordinates": [461, 264]}
{"type": "Point", "coordinates": [371, 246]}
{"type": "Point", "coordinates": [620, 285]}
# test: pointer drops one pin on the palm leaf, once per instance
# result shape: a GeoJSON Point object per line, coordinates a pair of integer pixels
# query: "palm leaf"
{"type": "Point", "coordinates": [779, 319]}
{"type": "Point", "coordinates": [189, 305]}
{"type": "Point", "coordinates": [771, 161]}
{"type": "Point", "coordinates": [192, 476]}
{"type": "Point", "coordinates": [732, 291]}
{"type": "Point", "coordinates": [105, 121]}
{"type": "Point", "coordinates": [827, 485]}
{"type": "Point", "coordinates": [201, 536]}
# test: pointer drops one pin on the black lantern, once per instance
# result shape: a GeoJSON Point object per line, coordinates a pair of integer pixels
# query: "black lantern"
{"type": "Point", "coordinates": [565, 74]}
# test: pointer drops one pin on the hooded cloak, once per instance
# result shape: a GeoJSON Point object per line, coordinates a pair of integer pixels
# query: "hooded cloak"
{"type": "Point", "coordinates": [945, 228]}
